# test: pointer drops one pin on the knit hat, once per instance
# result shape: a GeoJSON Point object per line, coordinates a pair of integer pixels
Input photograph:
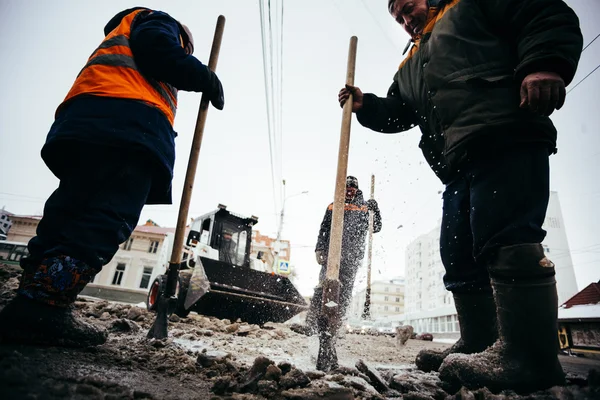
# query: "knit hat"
{"type": "Point", "coordinates": [188, 39]}
{"type": "Point", "coordinates": [351, 181]}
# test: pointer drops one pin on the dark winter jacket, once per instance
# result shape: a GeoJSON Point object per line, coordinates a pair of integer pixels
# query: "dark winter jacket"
{"type": "Point", "coordinates": [460, 82]}
{"type": "Point", "coordinates": [90, 123]}
{"type": "Point", "coordinates": [356, 226]}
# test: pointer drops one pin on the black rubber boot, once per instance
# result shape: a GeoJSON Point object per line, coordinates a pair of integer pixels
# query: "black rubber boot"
{"type": "Point", "coordinates": [478, 330]}
{"type": "Point", "coordinates": [26, 321]}
{"type": "Point", "coordinates": [525, 357]}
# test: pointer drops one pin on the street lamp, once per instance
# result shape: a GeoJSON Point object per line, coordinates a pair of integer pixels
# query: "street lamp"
{"type": "Point", "coordinates": [281, 214]}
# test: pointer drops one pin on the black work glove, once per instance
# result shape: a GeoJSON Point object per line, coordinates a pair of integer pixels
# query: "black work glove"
{"type": "Point", "coordinates": [320, 256]}
{"type": "Point", "coordinates": [215, 91]}
{"type": "Point", "coordinates": [372, 205]}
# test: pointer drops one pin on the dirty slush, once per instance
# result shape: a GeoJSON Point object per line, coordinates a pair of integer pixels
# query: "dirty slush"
{"type": "Point", "coordinates": [208, 358]}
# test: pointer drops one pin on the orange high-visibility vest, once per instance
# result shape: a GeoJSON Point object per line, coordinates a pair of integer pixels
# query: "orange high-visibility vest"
{"type": "Point", "coordinates": [111, 71]}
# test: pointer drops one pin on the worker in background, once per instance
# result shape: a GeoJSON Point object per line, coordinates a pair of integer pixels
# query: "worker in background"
{"type": "Point", "coordinates": [480, 81]}
{"type": "Point", "coordinates": [227, 248]}
{"type": "Point", "coordinates": [112, 147]}
{"type": "Point", "coordinates": [355, 229]}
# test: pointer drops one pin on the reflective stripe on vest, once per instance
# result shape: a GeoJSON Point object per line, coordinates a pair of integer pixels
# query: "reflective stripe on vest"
{"type": "Point", "coordinates": [111, 71]}
{"type": "Point", "coordinates": [120, 60]}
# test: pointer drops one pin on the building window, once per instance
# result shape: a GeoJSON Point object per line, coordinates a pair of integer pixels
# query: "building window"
{"type": "Point", "coordinates": [146, 277]}
{"type": "Point", "coordinates": [397, 290]}
{"type": "Point", "coordinates": [552, 222]}
{"type": "Point", "coordinates": [386, 298]}
{"type": "Point", "coordinates": [119, 271]}
{"type": "Point", "coordinates": [386, 289]}
{"type": "Point", "coordinates": [153, 247]}
{"type": "Point", "coordinates": [397, 309]}
{"type": "Point", "coordinates": [397, 299]}
{"type": "Point", "coordinates": [127, 244]}
{"type": "Point", "coordinates": [385, 308]}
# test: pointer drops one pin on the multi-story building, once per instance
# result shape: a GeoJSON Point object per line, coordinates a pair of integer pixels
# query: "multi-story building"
{"type": "Point", "coordinates": [430, 307]}
{"type": "Point", "coordinates": [557, 249]}
{"type": "Point", "coordinates": [128, 276]}
{"type": "Point", "coordinates": [23, 227]}
{"type": "Point", "coordinates": [5, 223]}
{"type": "Point", "coordinates": [387, 300]}
{"type": "Point", "coordinates": [267, 246]}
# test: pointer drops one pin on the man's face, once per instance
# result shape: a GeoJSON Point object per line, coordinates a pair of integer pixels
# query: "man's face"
{"type": "Point", "coordinates": [227, 236]}
{"type": "Point", "coordinates": [411, 14]}
{"type": "Point", "coordinates": [350, 192]}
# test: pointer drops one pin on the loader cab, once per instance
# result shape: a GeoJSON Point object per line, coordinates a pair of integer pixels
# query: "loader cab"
{"type": "Point", "coordinates": [228, 233]}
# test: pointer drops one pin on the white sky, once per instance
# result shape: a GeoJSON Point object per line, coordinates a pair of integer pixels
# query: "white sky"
{"type": "Point", "coordinates": [44, 44]}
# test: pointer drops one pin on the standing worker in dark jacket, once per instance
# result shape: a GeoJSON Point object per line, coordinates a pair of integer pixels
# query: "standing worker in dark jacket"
{"type": "Point", "coordinates": [480, 80]}
{"type": "Point", "coordinates": [356, 227]}
{"type": "Point", "coordinates": [112, 147]}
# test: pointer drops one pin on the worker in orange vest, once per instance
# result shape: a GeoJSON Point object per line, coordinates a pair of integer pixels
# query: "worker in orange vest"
{"type": "Point", "coordinates": [112, 147]}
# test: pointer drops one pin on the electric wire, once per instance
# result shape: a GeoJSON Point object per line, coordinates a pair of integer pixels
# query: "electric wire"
{"type": "Point", "coordinates": [271, 15]}
{"type": "Point", "coordinates": [584, 78]}
{"type": "Point", "coordinates": [267, 98]}
{"type": "Point", "coordinates": [588, 45]}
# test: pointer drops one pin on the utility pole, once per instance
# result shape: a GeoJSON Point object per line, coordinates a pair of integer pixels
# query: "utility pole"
{"type": "Point", "coordinates": [280, 229]}
{"type": "Point", "coordinates": [367, 310]}
{"type": "Point", "coordinates": [278, 240]}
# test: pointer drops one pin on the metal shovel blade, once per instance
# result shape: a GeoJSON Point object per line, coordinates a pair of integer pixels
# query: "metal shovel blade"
{"type": "Point", "coordinates": [198, 287]}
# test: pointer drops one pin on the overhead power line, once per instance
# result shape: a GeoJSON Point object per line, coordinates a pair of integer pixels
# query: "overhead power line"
{"type": "Point", "coordinates": [594, 70]}
{"type": "Point", "coordinates": [584, 78]}
{"type": "Point", "coordinates": [588, 45]}
{"type": "Point", "coordinates": [271, 22]}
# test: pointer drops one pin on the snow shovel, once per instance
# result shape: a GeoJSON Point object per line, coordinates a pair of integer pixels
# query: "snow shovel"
{"type": "Point", "coordinates": [329, 320]}
{"type": "Point", "coordinates": [167, 299]}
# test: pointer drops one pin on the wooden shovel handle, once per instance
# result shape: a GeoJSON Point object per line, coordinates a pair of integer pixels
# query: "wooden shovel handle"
{"type": "Point", "coordinates": [190, 175]}
{"type": "Point", "coordinates": [335, 242]}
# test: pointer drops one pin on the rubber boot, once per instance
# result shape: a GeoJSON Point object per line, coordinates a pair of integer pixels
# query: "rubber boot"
{"type": "Point", "coordinates": [525, 357]}
{"type": "Point", "coordinates": [41, 313]}
{"type": "Point", "coordinates": [478, 330]}
{"type": "Point", "coordinates": [27, 321]}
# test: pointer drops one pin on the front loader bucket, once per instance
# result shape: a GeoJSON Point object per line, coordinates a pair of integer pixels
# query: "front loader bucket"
{"type": "Point", "coordinates": [253, 296]}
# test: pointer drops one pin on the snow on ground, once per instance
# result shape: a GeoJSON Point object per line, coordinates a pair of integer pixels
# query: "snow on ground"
{"type": "Point", "coordinates": [444, 340]}
{"type": "Point", "coordinates": [208, 358]}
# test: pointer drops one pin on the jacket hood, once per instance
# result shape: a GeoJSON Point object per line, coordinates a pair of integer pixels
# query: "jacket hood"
{"type": "Point", "coordinates": [116, 20]}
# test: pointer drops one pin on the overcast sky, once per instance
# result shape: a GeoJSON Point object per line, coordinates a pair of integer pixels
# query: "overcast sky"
{"type": "Point", "coordinates": [44, 44]}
